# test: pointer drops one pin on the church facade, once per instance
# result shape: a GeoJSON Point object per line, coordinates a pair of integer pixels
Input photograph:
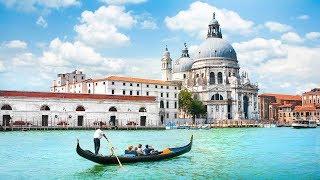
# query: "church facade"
{"type": "Point", "coordinates": [213, 76]}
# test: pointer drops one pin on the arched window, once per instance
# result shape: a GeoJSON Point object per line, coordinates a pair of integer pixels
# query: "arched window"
{"type": "Point", "coordinates": [217, 97]}
{"type": "Point", "coordinates": [113, 109]}
{"type": "Point", "coordinates": [89, 91]}
{"type": "Point", "coordinates": [142, 109]}
{"type": "Point", "coordinates": [80, 108]}
{"type": "Point", "coordinates": [212, 79]}
{"type": "Point", "coordinates": [219, 77]}
{"type": "Point", "coordinates": [44, 108]}
{"type": "Point", "coordinates": [161, 104]}
{"type": "Point", "coordinates": [6, 107]}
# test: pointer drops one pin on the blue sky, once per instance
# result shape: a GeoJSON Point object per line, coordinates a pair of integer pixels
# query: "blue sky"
{"type": "Point", "coordinates": [277, 42]}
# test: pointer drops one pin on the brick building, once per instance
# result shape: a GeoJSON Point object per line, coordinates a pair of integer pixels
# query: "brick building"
{"type": "Point", "coordinates": [278, 107]}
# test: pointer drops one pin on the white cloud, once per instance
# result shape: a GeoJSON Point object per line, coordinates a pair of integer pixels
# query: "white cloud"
{"type": "Point", "coordinates": [2, 68]}
{"type": "Point", "coordinates": [292, 37]}
{"type": "Point", "coordinates": [259, 50]}
{"type": "Point", "coordinates": [195, 20]}
{"type": "Point", "coordinates": [42, 22]}
{"type": "Point", "coordinates": [149, 24]}
{"type": "Point", "coordinates": [16, 44]}
{"type": "Point", "coordinates": [123, 1]}
{"type": "Point", "coordinates": [277, 27]}
{"type": "Point", "coordinates": [282, 67]}
{"type": "Point", "coordinates": [303, 17]}
{"type": "Point", "coordinates": [313, 35]}
{"type": "Point", "coordinates": [31, 5]}
{"type": "Point", "coordinates": [100, 28]}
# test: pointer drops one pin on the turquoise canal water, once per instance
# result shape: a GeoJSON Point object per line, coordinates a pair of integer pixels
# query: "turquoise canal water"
{"type": "Point", "coordinates": [255, 153]}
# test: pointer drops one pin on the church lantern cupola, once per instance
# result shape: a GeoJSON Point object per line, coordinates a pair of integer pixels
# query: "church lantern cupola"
{"type": "Point", "coordinates": [214, 28]}
{"type": "Point", "coordinates": [185, 51]}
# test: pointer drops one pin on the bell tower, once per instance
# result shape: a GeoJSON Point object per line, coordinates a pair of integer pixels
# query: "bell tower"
{"type": "Point", "coordinates": [166, 65]}
{"type": "Point", "coordinates": [214, 28]}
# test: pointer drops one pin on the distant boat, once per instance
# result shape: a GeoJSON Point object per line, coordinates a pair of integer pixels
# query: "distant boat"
{"type": "Point", "coordinates": [171, 125]}
{"type": "Point", "coordinates": [298, 124]}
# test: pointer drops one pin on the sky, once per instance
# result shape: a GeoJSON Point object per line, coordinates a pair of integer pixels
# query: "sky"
{"type": "Point", "coordinates": [277, 42]}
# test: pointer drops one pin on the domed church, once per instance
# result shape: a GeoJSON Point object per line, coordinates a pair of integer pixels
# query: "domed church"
{"type": "Point", "coordinates": [212, 75]}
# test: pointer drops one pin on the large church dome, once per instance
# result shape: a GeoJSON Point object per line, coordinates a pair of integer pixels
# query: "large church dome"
{"type": "Point", "coordinates": [216, 47]}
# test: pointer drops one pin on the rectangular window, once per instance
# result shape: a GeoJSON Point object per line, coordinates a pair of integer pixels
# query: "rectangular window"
{"type": "Point", "coordinates": [175, 116]}
{"type": "Point", "coordinates": [124, 92]}
{"type": "Point", "coordinates": [89, 85]}
{"type": "Point", "coordinates": [147, 93]}
{"type": "Point", "coordinates": [147, 85]}
{"type": "Point", "coordinates": [175, 87]}
{"type": "Point", "coordinates": [167, 104]}
{"type": "Point", "coordinates": [167, 115]}
{"type": "Point", "coordinates": [161, 87]}
{"type": "Point", "coordinates": [161, 94]}
{"type": "Point", "coordinates": [156, 86]}
{"type": "Point", "coordinates": [138, 85]}
{"type": "Point", "coordinates": [175, 105]}
{"type": "Point", "coordinates": [138, 92]}
{"type": "Point", "coordinates": [112, 83]}
{"type": "Point", "coordinates": [104, 83]}
{"type": "Point", "coordinates": [130, 92]}
{"type": "Point", "coordinates": [130, 84]}
{"type": "Point", "coordinates": [96, 84]}
{"type": "Point", "coordinates": [167, 95]}
{"type": "Point", "coordinates": [167, 87]}
{"type": "Point", "coordinates": [175, 95]}
{"type": "Point", "coordinates": [124, 84]}
{"type": "Point", "coordinates": [112, 91]}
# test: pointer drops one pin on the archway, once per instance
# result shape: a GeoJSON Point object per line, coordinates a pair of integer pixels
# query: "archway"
{"type": "Point", "coordinates": [44, 117]}
{"type": "Point", "coordinates": [6, 117]}
{"type": "Point", "coordinates": [112, 120]}
{"type": "Point", "coordinates": [80, 118]}
{"type": "Point", "coordinates": [245, 106]}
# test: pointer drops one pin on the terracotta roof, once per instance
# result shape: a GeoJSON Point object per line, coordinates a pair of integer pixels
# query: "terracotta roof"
{"type": "Point", "coordinates": [133, 79]}
{"type": "Point", "coordinates": [32, 94]}
{"type": "Point", "coordinates": [307, 107]}
{"type": "Point", "coordinates": [315, 91]}
{"type": "Point", "coordinates": [286, 106]}
{"type": "Point", "coordinates": [282, 96]}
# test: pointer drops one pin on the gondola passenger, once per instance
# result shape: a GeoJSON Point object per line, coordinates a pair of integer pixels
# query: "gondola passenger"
{"type": "Point", "coordinates": [130, 152]}
{"type": "Point", "coordinates": [147, 150]}
{"type": "Point", "coordinates": [139, 150]}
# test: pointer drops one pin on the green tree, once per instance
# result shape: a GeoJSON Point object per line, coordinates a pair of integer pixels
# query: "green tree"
{"type": "Point", "coordinates": [196, 109]}
{"type": "Point", "coordinates": [185, 100]}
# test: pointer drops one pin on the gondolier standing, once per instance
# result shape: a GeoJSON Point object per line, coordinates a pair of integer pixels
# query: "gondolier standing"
{"type": "Point", "coordinates": [98, 134]}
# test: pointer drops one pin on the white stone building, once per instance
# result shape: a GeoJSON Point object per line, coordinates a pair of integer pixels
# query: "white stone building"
{"type": "Point", "coordinates": [213, 76]}
{"type": "Point", "coordinates": [77, 110]}
{"type": "Point", "coordinates": [165, 91]}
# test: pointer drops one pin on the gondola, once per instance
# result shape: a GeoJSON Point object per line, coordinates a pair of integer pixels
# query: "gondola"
{"type": "Point", "coordinates": [174, 152]}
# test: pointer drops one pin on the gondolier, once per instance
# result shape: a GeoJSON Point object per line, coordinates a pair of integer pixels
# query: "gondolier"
{"type": "Point", "coordinates": [98, 134]}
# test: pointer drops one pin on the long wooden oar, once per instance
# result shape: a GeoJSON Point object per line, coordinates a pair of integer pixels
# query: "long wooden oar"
{"type": "Point", "coordinates": [112, 150]}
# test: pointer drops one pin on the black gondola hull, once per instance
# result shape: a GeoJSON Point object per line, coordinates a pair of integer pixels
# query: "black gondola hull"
{"type": "Point", "coordinates": [113, 160]}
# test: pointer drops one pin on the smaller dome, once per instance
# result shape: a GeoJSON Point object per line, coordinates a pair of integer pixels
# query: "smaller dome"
{"type": "Point", "coordinates": [182, 64]}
